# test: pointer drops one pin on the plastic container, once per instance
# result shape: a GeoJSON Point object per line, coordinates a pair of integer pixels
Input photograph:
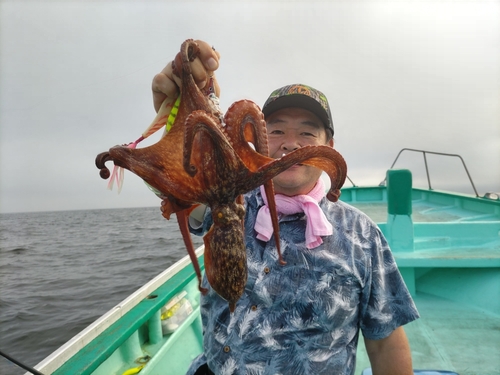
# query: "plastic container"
{"type": "Point", "coordinates": [175, 312]}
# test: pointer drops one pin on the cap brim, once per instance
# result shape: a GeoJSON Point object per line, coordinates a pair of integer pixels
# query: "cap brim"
{"type": "Point", "coordinates": [301, 101]}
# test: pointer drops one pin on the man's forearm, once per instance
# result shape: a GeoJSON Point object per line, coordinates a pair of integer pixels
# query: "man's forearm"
{"type": "Point", "coordinates": [390, 356]}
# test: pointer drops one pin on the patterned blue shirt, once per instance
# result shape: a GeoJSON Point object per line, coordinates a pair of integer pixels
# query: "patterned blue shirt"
{"type": "Point", "coordinates": [304, 317]}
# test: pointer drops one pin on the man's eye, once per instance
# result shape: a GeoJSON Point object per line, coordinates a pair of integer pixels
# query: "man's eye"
{"type": "Point", "coordinates": [276, 132]}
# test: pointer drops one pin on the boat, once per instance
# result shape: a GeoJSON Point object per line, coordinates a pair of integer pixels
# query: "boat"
{"type": "Point", "coordinates": [446, 245]}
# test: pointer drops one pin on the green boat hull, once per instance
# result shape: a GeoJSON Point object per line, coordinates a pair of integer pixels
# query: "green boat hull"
{"type": "Point", "coordinates": [447, 247]}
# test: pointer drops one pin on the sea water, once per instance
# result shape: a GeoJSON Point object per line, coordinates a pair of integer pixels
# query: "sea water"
{"type": "Point", "coordinates": [60, 271]}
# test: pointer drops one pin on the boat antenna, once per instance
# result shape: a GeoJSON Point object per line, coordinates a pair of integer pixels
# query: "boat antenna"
{"type": "Point", "coordinates": [23, 366]}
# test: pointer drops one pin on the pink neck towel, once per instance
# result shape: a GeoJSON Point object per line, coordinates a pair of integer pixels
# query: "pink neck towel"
{"type": "Point", "coordinates": [317, 223]}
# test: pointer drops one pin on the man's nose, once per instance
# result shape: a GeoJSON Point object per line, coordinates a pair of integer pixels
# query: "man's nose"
{"type": "Point", "coordinates": [290, 144]}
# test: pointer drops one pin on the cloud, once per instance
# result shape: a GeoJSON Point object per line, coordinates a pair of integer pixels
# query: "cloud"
{"type": "Point", "coordinates": [75, 80]}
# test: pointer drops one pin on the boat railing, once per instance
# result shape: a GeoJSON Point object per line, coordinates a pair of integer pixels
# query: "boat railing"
{"type": "Point", "coordinates": [351, 181]}
{"type": "Point", "coordinates": [424, 153]}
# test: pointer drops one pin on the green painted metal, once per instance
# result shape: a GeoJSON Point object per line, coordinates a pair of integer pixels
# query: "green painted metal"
{"type": "Point", "coordinates": [448, 232]}
{"type": "Point", "coordinates": [447, 247]}
{"type": "Point", "coordinates": [453, 273]}
{"type": "Point", "coordinates": [399, 184]}
{"type": "Point", "coordinates": [175, 356]}
{"type": "Point", "coordinates": [399, 230]}
{"type": "Point", "coordinates": [101, 348]}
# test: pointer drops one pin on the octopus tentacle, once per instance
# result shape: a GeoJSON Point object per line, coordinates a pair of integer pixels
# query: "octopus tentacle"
{"type": "Point", "coordinates": [188, 53]}
{"type": "Point", "coordinates": [196, 122]}
{"type": "Point", "coordinates": [337, 175]}
{"type": "Point", "coordinates": [323, 157]}
{"type": "Point", "coordinates": [192, 97]}
{"type": "Point", "coordinates": [245, 123]}
{"type": "Point", "coordinates": [182, 218]}
{"type": "Point", "coordinates": [229, 167]}
{"type": "Point", "coordinates": [100, 161]}
{"type": "Point", "coordinates": [271, 203]}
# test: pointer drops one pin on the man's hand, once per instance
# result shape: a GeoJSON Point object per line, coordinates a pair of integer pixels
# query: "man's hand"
{"type": "Point", "coordinates": [166, 83]}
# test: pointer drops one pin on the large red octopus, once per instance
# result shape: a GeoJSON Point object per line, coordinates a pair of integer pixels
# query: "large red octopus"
{"type": "Point", "coordinates": [202, 161]}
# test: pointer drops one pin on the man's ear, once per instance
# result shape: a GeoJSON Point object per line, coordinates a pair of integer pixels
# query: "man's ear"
{"type": "Point", "coordinates": [331, 142]}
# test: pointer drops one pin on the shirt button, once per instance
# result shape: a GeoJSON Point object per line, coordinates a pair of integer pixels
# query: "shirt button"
{"type": "Point", "coordinates": [227, 349]}
{"type": "Point", "coordinates": [266, 270]}
{"type": "Point", "coordinates": [254, 307]}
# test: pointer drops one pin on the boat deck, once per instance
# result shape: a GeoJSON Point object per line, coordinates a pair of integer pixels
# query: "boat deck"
{"type": "Point", "coordinates": [423, 212]}
{"type": "Point", "coordinates": [447, 231]}
{"type": "Point", "coordinates": [452, 268]}
{"type": "Point", "coordinates": [426, 212]}
{"type": "Point", "coordinates": [450, 336]}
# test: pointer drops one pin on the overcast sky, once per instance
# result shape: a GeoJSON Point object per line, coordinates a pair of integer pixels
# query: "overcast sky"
{"type": "Point", "coordinates": [75, 80]}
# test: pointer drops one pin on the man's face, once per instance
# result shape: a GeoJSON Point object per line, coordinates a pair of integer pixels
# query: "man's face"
{"type": "Point", "coordinates": [289, 129]}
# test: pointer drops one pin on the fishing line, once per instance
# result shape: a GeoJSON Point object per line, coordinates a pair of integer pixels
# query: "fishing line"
{"type": "Point", "coordinates": [23, 366]}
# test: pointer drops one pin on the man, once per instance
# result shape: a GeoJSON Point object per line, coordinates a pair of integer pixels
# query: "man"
{"type": "Point", "coordinates": [303, 317]}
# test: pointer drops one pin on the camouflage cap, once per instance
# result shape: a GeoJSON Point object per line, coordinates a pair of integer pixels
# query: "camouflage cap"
{"type": "Point", "coordinates": [301, 96]}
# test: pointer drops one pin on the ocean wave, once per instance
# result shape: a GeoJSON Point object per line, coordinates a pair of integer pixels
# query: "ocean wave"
{"type": "Point", "coordinates": [60, 271]}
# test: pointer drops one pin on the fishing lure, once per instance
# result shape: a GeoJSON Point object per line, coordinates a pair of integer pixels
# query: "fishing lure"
{"type": "Point", "coordinates": [168, 110]}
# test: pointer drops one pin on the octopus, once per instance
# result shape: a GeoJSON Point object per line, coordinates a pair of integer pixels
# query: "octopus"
{"type": "Point", "coordinates": [206, 159]}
